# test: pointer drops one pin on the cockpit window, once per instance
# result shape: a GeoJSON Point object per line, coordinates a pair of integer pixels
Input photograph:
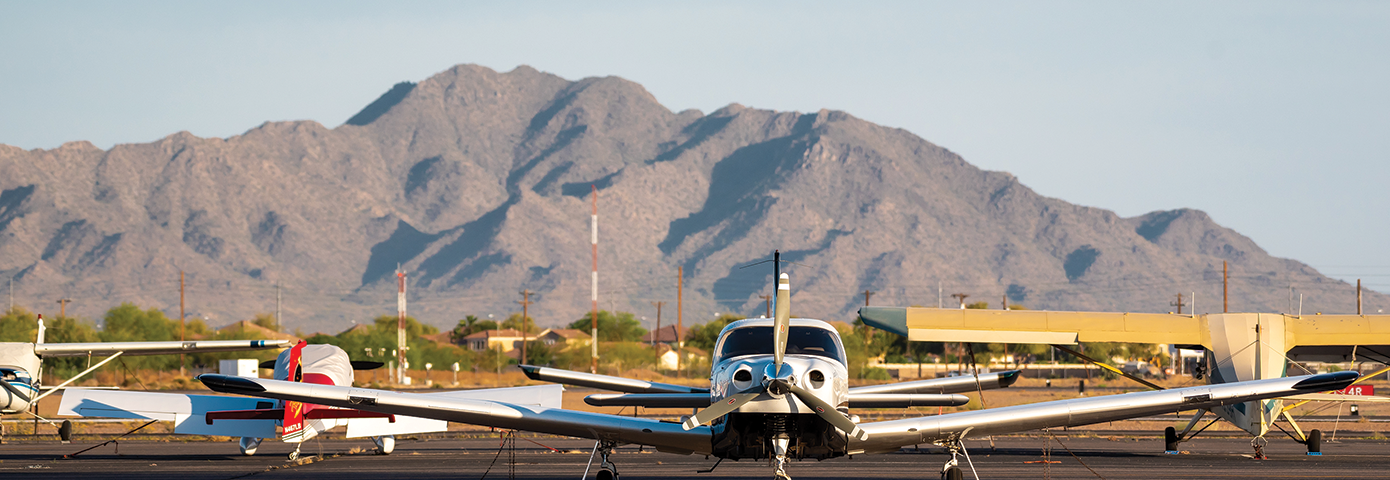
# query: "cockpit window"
{"type": "Point", "coordinates": [800, 341]}
{"type": "Point", "coordinates": [13, 375]}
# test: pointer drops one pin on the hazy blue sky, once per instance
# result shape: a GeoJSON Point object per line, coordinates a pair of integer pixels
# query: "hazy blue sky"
{"type": "Point", "coordinates": [1273, 117]}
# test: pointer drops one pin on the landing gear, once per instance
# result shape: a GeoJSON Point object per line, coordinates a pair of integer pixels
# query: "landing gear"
{"type": "Point", "coordinates": [1258, 443]}
{"type": "Point", "coordinates": [385, 444]}
{"type": "Point", "coordinates": [779, 458]}
{"type": "Point", "coordinates": [1170, 440]}
{"type": "Point", "coordinates": [951, 470]}
{"type": "Point", "coordinates": [249, 445]}
{"type": "Point", "coordinates": [952, 473]}
{"type": "Point", "coordinates": [295, 454]}
{"type": "Point", "coordinates": [606, 469]}
{"type": "Point", "coordinates": [1314, 442]}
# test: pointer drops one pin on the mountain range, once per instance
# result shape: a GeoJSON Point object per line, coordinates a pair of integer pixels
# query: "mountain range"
{"type": "Point", "coordinates": [478, 185]}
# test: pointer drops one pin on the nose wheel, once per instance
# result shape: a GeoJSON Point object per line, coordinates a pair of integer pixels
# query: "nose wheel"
{"type": "Point", "coordinates": [779, 458]}
{"type": "Point", "coordinates": [606, 469]}
{"type": "Point", "coordinates": [951, 470]}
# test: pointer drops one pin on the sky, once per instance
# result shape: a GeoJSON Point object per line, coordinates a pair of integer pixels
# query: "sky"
{"type": "Point", "coordinates": [1270, 116]}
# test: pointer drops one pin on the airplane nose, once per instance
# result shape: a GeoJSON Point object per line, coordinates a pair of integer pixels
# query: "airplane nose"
{"type": "Point", "coordinates": [778, 383]}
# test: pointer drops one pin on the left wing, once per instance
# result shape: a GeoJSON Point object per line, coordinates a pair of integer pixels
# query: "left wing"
{"type": "Point", "coordinates": [892, 435]}
{"type": "Point", "coordinates": [152, 348]}
{"type": "Point", "coordinates": [666, 437]}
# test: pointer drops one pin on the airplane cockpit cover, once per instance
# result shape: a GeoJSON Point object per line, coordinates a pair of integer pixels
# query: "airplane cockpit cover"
{"type": "Point", "coordinates": [326, 360]}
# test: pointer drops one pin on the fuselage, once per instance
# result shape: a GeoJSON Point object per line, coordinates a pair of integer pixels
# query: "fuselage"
{"type": "Point", "coordinates": [743, 362]}
{"type": "Point", "coordinates": [18, 368]}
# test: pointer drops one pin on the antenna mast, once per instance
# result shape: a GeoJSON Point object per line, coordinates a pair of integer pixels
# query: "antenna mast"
{"type": "Point", "coordinates": [593, 338]}
{"type": "Point", "coordinates": [400, 326]}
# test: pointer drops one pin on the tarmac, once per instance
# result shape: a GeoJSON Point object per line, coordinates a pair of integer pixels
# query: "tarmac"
{"type": "Point", "coordinates": [556, 457]}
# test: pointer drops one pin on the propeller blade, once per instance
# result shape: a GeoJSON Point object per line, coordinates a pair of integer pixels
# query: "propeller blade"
{"type": "Point", "coordinates": [723, 407]}
{"type": "Point", "coordinates": [267, 364]}
{"type": "Point", "coordinates": [782, 321]}
{"type": "Point", "coordinates": [828, 412]}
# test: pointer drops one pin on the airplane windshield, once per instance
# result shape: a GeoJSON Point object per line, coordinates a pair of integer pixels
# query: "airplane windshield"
{"type": "Point", "coordinates": [12, 375]}
{"type": "Point", "coordinates": [800, 341]}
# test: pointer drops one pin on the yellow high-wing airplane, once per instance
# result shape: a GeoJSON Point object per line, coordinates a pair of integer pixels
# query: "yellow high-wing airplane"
{"type": "Point", "coordinates": [1239, 346]}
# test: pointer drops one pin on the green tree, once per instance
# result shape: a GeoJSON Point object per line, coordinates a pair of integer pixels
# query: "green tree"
{"type": "Point", "coordinates": [620, 327]}
{"type": "Point", "coordinates": [466, 327]}
{"type": "Point", "coordinates": [514, 322]}
{"type": "Point", "coordinates": [267, 321]}
{"type": "Point", "coordinates": [704, 336]}
{"type": "Point", "coordinates": [18, 325]}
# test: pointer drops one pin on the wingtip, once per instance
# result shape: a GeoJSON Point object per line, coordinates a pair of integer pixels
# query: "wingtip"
{"type": "Point", "coordinates": [229, 384]}
{"type": "Point", "coordinates": [532, 372]}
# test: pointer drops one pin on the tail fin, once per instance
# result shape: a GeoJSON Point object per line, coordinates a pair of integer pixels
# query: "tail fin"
{"type": "Point", "coordinates": [293, 421]}
{"type": "Point", "coordinates": [38, 340]}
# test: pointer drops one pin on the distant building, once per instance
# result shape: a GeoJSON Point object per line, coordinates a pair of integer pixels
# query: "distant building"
{"type": "Point", "coordinates": [668, 356]}
{"type": "Point", "coordinates": [569, 337]}
{"type": "Point", "coordinates": [507, 339]}
{"type": "Point", "coordinates": [245, 327]}
{"type": "Point", "coordinates": [666, 335]}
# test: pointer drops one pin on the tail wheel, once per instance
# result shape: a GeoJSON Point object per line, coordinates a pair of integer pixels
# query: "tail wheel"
{"type": "Point", "coordinates": [953, 473]}
{"type": "Point", "coordinates": [606, 474]}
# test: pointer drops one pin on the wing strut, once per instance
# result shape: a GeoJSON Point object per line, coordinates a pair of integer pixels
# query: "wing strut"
{"type": "Point", "coordinates": [1117, 371]}
{"type": "Point", "coordinates": [75, 377]}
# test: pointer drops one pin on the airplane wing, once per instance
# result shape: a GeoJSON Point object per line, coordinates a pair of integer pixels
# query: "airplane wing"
{"type": "Point", "coordinates": [892, 435]}
{"type": "Point", "coordinates": [617, 384]}
{"type": "Point", "coordinates": [548, 396]}
{"type": "Point", "coordinates": [665, 436]}
{"type": "Point", "coordinates": [945, 385]}
{"type": "Point", "coordinates": [186, 411]}
{"type": "Point", "coordinates": [152, 348]}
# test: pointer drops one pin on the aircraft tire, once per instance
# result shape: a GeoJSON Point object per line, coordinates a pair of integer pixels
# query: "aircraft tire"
{"type": "Point", "coordinates": [1315, 442]}
{"type": "Point", "coordinates": [606, 474]}
{"type": "Point", "coordinates": [249, 445]}
{"type": "Point", "coordinates": [1170, 439]}
{"type": "Point", "coordinates": [385, 444]}
{"type": "Point", "coordinates": [293, 456]}
{"type": "Point", "coordinates": [953, 473]}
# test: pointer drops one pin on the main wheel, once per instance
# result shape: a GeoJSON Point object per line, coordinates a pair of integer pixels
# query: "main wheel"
{"type": "Point", "coordinates": [606, 474]}
{"type": "Point", "coordinates": [1315, 442]}
{"type": "Point", "coordinates": [293, 456]}
{"type": "Point", "coordinates": [385, 444]}
{"type": "Point", "coordinates": [953, 473]}
{"type": "Point", "coordinates": [1170, 440]}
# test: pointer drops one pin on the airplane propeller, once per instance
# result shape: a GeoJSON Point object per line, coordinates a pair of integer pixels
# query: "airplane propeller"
{"type": "Point", "coordinates": [777, 383]}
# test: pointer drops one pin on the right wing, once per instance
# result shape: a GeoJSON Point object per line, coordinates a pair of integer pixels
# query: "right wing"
{"type": "Point", "coordinates": [665, 436]}
{"type": "Point", "coordinates": [891, 435]}
{"type": "Point", "coordinates": [152, 348]}
{"type": "Point", "coordinates": [617, 384]}
{"type": "Point", "coordinates": [960, 384]}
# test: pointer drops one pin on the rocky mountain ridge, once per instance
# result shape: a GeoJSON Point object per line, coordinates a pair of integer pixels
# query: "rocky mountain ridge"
{"type": "Point", "coordinates": [477, 184]}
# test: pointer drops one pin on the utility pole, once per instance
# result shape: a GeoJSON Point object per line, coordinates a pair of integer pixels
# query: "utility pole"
{"type": "Point", "coordinates": [867, 294]}
{"type": "Point", "coordinates": [1003, 302]}
{"type": "Point", "coordinates": [593, 339]}
{"type": "Point", "coordinates": [1225, 291]}
{"type": "Point", "coordinates": [400, 325]}
{"type": "Point", "coordinates": [767, 304]}
{"type": "Point", "coordinates": [63, 307]}
{"type": "Point", "coordinates": [11, 293]}
{"type": "Point", "coordinates": [526, 302]}
{"type": "Point", "coordinates": [278, 325]}
{"type": "Point", "coordinates": [961, 297]}
{"type": "Point", "coordinates": [656, 335]}
{"type": "Point", "coordinates": [680, 312]}
{"type": "Point", "coordinates": [181, 321]}
{"type": "Point", "coordinates": [1358, 296]}
{"type": "Point", "coordinates": [1179, 304]}
{"type": "Point", "coordinates": [938, 294]}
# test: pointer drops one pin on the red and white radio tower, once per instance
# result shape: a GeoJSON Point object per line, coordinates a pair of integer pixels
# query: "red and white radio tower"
{"type": "Point", "coordinates": [400, 328]}
{"type": "Point", "coordinates": [593, 334]}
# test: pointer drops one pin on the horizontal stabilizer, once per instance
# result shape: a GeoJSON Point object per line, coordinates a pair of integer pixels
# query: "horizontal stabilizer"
{"type": "Point", "coordinates": [606, 382]}
{"type": "Point", "coordinates": [944, 385]}
{"type": "Point", "coordinates": [905, 400]}
{"type": "Point", "coordinates": [649, 400]}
